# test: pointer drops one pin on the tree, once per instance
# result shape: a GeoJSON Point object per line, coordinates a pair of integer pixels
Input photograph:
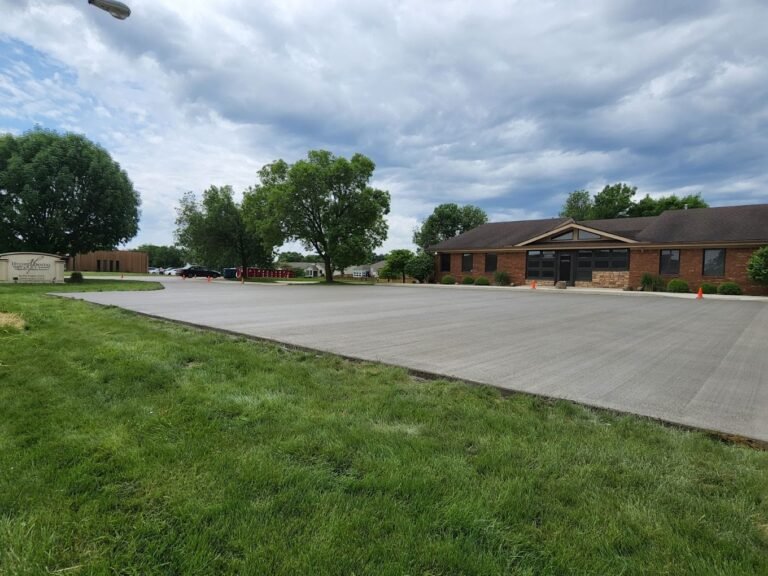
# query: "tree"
{"type": "Point", "coordinates": [578, 206]}
{"type": "Point", "coordinates": [387, 273]}
{"type": "Point", "coordinates": [63, 194]}
{"type": "Point", "coordinates": [325, 203]}
{"type": "Point", "coordinates": [164, 256]}
{"type": "Point", "coordinates": [218, 233]}
{"type": "Point", "coordinates": [447, 221]}
{"type": "Point", "coordinates": [614, 201]}
{"type": "Point", "coordinates": [398, 261]}
{"type": "Point", "coordinates": [757, 266]}
{"type": "Point", "coordinates": [421, 267]}
{"type": "Point", "coordinates": [650, 207]}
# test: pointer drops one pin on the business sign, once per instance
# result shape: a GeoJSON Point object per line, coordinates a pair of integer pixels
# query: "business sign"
{"type": "Point", "coordinates": [31, 267]}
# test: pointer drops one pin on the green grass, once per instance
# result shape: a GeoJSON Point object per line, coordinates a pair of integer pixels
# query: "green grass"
{"type": "Point", "coordinates": [134, 446]}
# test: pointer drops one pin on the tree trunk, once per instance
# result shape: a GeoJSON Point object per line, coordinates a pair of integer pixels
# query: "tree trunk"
{"type": "Point", "coordinates": [328, 270]}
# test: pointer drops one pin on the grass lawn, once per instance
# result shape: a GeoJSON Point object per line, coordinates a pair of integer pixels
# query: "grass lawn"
{"type": "Point", "coordinates": [135, 446]}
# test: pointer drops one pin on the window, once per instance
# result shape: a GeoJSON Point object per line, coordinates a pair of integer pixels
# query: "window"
{"type": "Point", "coordinates": [584, 235]}
{"type": "Point", "coordinates": [670, 262]}
{"type": "Point", "coordinates": [540, 264]}
{"type": "Point", "coordinates": [490, 262]}
{"type": "Point", "coordinates": [714, 262]}
{"type": "Point", "coordinates": [466, 262]}
{"type": "Point", "coordinates": [445, 262]}
{"type": "Point", "coordinates": [566, 236]}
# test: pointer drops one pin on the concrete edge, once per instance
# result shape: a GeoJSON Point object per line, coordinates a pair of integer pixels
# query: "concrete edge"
{"type": "Point", "coordinates": [727, 437]}
{"type": "Point", "coordinates": [575, 290]}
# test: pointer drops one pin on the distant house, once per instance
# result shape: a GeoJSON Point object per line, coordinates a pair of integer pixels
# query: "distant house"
{"type": "Point", "coordinates": [310, 269]}
{"type": "Point", "coordinates": [699, 245]}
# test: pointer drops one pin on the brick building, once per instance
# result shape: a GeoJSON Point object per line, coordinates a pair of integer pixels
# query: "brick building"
{"type": "Point", "coordinates": [700, 245]}
{"type": "Point", "coordinates": [109, 261]}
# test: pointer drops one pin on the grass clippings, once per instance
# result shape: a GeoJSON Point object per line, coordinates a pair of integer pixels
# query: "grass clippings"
{"type": "Point", "coordinates": [11, 321]}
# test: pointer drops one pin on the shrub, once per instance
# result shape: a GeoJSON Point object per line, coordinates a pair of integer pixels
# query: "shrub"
{"type": "Point", "coordinates": [501, 278]}
{"type": "Point", "coordinates": [448, 279]}
{"type": "Point", "coordinates": [76, 278]}
{"type": "Point", "coordinates": [757, 267]}
{"type": "Point", "coordinates": [482, 281]}
{"type": "Point", "coordinates": [708, 288]}
{"type": "Point", "coordinates": [652, 282]}
{"type": "Point", "coordinates": [467, 280]}
{"type": "Point", "coordinates": [677, 285]}
{"type": "Point", "coordinates": [729, 288]}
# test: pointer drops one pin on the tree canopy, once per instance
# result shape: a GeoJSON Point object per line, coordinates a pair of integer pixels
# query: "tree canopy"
{"type": "Point", "coordinates": [63, 194]}
{"type": "Point", "coordinates": [219, 232]}
{"type": "Point", "coordinates": [164, 256]}
{"type": "Point", "coordinates": [324, 202]}
{"type": "Point", "coordinates": [447, 221]}
{"type": "Point", "coordinates": [398, 260]}
{"type": "Point", "coordinates": [421, 267]}
{"type": "Point", "coordinates": [616, 201]}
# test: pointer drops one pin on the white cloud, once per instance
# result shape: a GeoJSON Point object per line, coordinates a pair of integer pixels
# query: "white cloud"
{"type": "Point", "coordinates": [509, 105]}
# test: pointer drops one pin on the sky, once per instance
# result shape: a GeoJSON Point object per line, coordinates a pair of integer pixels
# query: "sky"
{"type": "Point", "coordinates": [506, 105]}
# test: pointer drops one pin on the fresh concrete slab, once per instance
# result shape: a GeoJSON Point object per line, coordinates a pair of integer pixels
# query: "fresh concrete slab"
{"type": "Point", "coordinates": [701, 363]}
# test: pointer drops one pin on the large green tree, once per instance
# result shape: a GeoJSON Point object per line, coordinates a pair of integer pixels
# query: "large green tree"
{"type": "Point", "coordinates": [421, 267]}
{"type": "Point", "coordinates": [324, 202]}
{"type": "Point", "coordinates": [447, 221]}
{"type": "Point", "coordinates": [613, 201]}
{"type": "Point", "coordinates": [218, 232]}
{"type": "Point", "coordinates": [63, 194]}
{"type": "Point", "coordinates": [398, 261]}
{"type": "Point", "coordinates": [578, 206]}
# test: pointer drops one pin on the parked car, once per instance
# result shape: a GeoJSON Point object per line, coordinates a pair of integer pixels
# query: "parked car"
{"type": "Point", "coordinates": [170, 272]}
{"type": "Point", "coordinates": [154, 270]}
{"type": "Point", "coordinates": [197, 271]}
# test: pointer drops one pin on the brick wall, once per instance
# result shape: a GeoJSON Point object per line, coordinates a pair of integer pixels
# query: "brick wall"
{"type": "Point", "coordinates": [513, 263]}
{"type": "Point", "coordinates": [691, 267]}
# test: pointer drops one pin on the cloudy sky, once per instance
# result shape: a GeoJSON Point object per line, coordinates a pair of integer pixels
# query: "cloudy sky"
{"type": "Point", "coordinates": [508, 105]}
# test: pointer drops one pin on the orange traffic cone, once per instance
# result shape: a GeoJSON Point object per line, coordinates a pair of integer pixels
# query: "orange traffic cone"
{"type": "Point", "coordinates": [533, 285]}
{"type": "Point", "coordinates": [700, 294]}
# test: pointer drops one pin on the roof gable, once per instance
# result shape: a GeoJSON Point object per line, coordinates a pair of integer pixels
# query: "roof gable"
{"type": "Point", "coordinates": [500, 234]}
{"type": "Point", "coordinates": [576, 227]}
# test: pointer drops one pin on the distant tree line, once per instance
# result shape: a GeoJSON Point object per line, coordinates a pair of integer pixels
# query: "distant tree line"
{"type": "Point", "coordinates": [616, 201]}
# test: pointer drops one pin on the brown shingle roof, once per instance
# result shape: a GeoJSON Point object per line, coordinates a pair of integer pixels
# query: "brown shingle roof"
{"type": "Point", "coordinates": [726, 224]}
{"type": "Point", "coordinates": [499, 234]}
{"type": "Point", "coordinates": [625, 227]}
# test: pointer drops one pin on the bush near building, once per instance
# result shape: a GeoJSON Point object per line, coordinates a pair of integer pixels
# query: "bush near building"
{"type": "Point", "coordinates": [729, 288]}
{"type": "Point", "coordinates": [677, 285]}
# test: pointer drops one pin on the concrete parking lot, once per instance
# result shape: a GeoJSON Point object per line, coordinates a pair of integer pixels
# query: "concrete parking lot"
{"type": "Point", "coordinates": [701, 363]}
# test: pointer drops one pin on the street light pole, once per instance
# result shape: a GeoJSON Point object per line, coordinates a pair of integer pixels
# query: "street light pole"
{"type": "Point", "coordinates": [117, 9]}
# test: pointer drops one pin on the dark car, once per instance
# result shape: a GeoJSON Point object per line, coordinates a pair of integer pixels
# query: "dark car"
{"type": "Point", "coordinates": [197, 271]}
